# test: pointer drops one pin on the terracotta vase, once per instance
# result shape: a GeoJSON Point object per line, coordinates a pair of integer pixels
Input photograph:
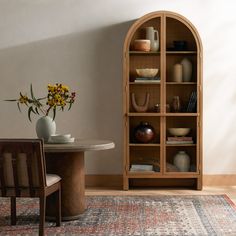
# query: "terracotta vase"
{"type": "Point", "coordinates": [45, 127]}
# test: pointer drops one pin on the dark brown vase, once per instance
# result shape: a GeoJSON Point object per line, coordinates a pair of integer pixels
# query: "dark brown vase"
{"type": "Point", "coordinates": [144, 133]}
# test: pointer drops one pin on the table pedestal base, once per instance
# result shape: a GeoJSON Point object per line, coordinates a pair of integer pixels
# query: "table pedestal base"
{"type": "Point", "coordinates": [70, 167]}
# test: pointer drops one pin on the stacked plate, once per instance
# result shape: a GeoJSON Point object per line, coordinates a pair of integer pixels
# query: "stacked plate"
{"type": "Point", "coordinates": [61, 138]}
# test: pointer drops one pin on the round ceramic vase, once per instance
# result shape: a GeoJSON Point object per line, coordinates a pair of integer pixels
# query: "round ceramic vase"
{"type": "Point", "coordinates": [187, 69]}
{"type": "Point", "coordinates": [45, 127]}
{"type": "Point", "coordinates": [182, 161]}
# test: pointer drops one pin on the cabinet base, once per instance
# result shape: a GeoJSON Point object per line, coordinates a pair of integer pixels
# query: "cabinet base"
{"type": "Point", "coordinates": [195, 183]}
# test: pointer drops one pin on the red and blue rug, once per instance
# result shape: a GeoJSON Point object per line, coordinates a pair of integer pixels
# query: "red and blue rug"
{"type": "Point", "coordinates": [131, 215]}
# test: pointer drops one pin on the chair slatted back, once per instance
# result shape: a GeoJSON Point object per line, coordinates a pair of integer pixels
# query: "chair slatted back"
{"type": "Point", "coordinates": [22, 167]}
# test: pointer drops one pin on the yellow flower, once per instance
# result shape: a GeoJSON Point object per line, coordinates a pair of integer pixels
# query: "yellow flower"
{"type": "Point", "coordinates": [23, 99]}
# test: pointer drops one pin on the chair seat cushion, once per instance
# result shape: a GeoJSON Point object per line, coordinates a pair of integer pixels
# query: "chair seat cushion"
{"type": "Point", "coordinates": [52, 179]}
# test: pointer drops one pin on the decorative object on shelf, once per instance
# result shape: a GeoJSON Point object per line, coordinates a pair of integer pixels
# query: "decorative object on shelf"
{"type": "Point", "coordinates": [178, 73]}
{"type": "Point", "coordinates": [142, 45]}
{"type": "Point", "coordinates": [179, 131]}
{"type": "Point", "coordinates": [147, 72]}
{"type": "Point", "coordinates": [153, 36]}
{"type": "Point", "coordinates": [156, 107]}
{"type": "Point", "coordinates": [140, 108]}
{"type": "Point", "coordinates": [167, 107]}
{"type": "Point", "coordinates": [144, 133]}
{"type": "Point", "coordinates": [58, 96]}
{"type": "Point", "coordinates": [171, 167]}
{"type": "Point", "coordinates": [182, 161]}
{"type": "Point", "coordinates": [187, 69]}
{"type": "Point", "coordinates": [45, 127]}
{"type": "Point", "coordinates": [147, 80]}
{"type": "Point", "coordinates": [179, 140]}
{"type": "Point", "coordinates": [141, 167]}
{"type": "Point", "coordinates": [176, 104]}
{"type": "Point", "coordinates": [191, 107]}
{"type": "Point", "coordinates": [180, 45]}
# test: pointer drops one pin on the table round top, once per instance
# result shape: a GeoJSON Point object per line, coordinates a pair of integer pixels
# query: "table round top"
{"type": "Point", "coordinates": [80, 145]}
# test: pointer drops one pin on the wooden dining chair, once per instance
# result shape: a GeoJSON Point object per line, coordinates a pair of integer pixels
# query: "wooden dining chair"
{"type": "Point", "coordinates": [23, 174]}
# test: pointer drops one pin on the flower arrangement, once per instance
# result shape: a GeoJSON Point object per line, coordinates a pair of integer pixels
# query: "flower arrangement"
{"type": "Point", "coordinates": [58, 96]}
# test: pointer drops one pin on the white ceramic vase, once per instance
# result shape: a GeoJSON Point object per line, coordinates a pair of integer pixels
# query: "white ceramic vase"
{"type": "Point", "coordinates": [153, 36]}
{"type": "Point", "coordinates": [45, 127]}
{"type": "Point", "coordinates": [182, 161]}
{"type": "Point", "coordinates": [187, 69]}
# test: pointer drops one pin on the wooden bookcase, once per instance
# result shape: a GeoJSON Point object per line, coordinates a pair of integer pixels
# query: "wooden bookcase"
{"type": "Point", "coordinates": [171, 27]}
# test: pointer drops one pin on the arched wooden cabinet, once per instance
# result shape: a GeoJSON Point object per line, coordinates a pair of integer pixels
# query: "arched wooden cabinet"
{"type": "Point", "coordinates": [153, 163]}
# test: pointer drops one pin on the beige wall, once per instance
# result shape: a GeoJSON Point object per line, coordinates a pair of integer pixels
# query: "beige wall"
{"type": "Point", "coordinates": [79, 42]}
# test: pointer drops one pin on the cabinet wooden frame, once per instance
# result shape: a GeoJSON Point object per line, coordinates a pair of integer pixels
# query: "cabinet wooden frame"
{"type": "Point", "coordinates": [171, 26]}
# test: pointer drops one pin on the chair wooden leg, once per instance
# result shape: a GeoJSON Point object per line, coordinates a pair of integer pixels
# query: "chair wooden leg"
{"type": "Point", "coordinates": [42, 207]}
{"type": "Point", "coordinates": [13, 210]}
{"type": "Point", "coordinates": [58, 206]}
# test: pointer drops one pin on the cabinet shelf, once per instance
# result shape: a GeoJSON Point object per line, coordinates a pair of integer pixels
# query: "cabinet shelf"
{"type": "Point", "coordinates": [144, 145]}
{"type": "Point", "coordinates": [181, 145]}
{"type": "Point", "coordinates": [181, 52]}
{"type": "Point", "coordinates": [182, 114]}
{"type": "Point", "coordinates": [143, 53]}
{"type": "Point", "coordinates": [145, 83]}
{"type": "Point", "coordinates": [157, 98]}
{"type": "Point", "coordinates": [181, 83]}
{"type": "Point", "coordinates": [144, 114]}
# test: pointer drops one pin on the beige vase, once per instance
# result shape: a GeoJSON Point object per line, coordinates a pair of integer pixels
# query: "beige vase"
{"type": "Point", "coordinates": [182, 161]}
{"type": "Point", "coordinates": [187, 69]}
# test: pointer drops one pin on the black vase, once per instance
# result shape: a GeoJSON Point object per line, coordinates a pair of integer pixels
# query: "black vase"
{"type": "Point", "coordinates": [144, 133]}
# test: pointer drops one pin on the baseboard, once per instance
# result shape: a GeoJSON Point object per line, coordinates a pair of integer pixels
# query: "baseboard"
{"type": "Point", "coordinates": [219, 180]}
{"type": "Point", "coordinates": [117, 180]}
{"type": "Point", "coordinates": [104, 181]}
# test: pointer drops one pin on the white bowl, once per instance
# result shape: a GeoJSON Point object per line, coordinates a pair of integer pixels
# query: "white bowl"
{"type": "Point", "coordinates": [60, 137]}
{"type": "Point", "coordinates": [147, 73]}
{"type": "Point", "coordinates": [179, 131]}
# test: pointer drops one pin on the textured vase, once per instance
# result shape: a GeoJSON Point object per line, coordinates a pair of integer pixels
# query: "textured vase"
{"type": "Point", "coordinates": [45, 127]}
{"type": "Point", "coordinates": [182, 161]}
{"type": "Point", "coordinates": [187, 69]}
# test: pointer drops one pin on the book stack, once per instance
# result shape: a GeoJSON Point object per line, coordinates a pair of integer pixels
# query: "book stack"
{"type": "Point", "coordinates": [149, 80]}
{"type": "Point", "coordinates": [179, 140]}
{"type": "Point", "coordinates": [192, 102]}
{"type": "Point", "coordinates": [141, 167]}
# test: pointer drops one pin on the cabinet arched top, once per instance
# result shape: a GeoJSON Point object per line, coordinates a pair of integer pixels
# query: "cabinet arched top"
{"type": "Point", "coordinates": [167, 23]}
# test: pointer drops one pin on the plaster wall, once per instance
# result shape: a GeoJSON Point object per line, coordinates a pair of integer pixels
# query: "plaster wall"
{"type": "Point", "coordinates": [79, 43]}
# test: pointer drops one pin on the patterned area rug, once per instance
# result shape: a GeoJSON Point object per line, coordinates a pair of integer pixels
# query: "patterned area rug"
{"type": "Point", "coordinates": [136, 215]}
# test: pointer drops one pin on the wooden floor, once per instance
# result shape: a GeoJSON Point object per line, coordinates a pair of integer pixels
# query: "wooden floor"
{"type": "Point", "coordinates": [230, 191]}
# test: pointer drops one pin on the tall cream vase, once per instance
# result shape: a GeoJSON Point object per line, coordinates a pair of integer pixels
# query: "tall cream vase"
{"type": "Point", "coordinates": [45, 127]}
